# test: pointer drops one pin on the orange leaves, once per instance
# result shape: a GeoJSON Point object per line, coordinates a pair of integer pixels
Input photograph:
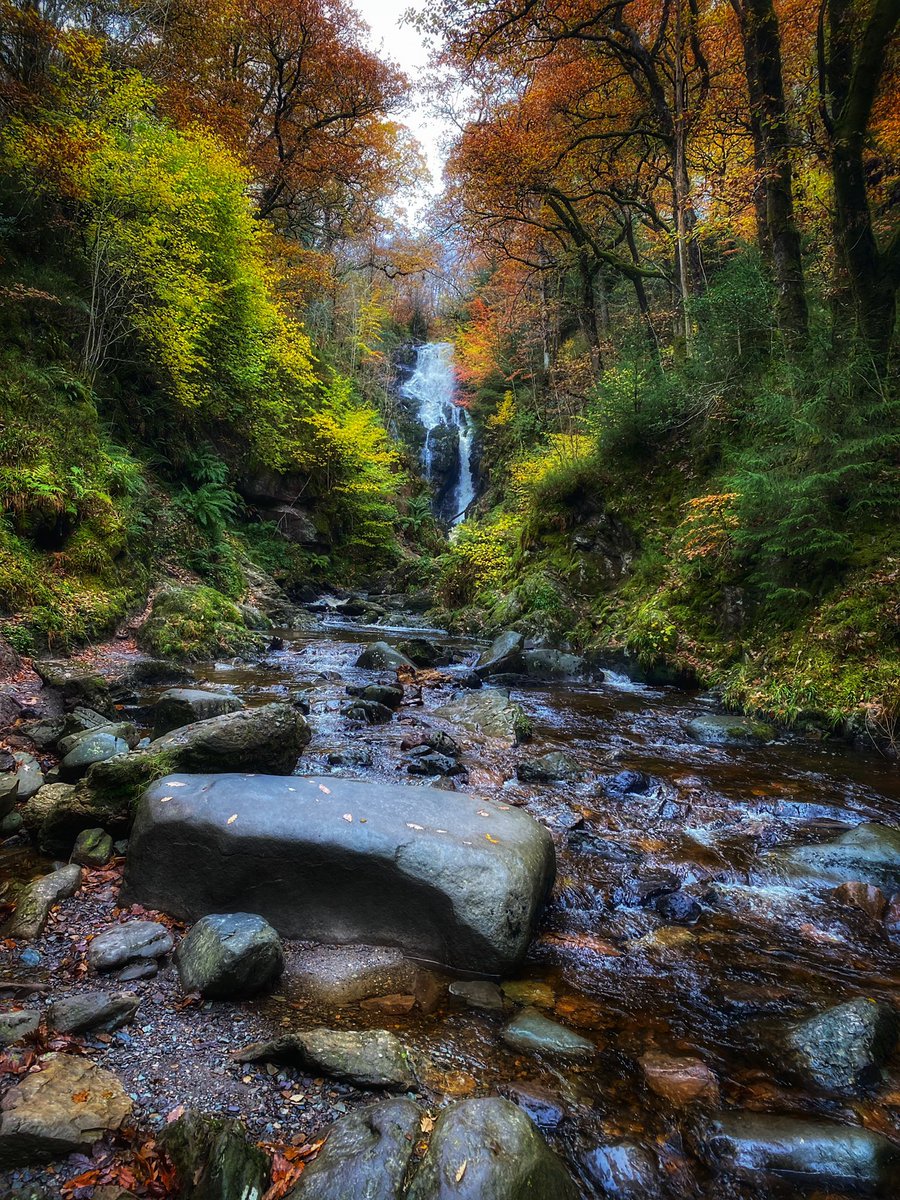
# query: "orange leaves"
{"type": "Point", "coordinates": [288, 1164]}
{"type": "Point", "coordinates": [133, 1163]}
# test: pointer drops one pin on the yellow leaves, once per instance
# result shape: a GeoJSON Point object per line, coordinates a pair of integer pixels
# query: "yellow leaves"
{"type": "Point", "coordinates": [559, 450]}
{"type": "Point", "coordinates": [231, 820]}
{"type": "Point", "coordinates": [461, 1170]}
{"type": "Point", "coordinates": [494, 841]}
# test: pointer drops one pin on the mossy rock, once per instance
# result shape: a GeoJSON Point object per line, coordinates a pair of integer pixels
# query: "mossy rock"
{"type": "Point", "coordinates": [196, 623]}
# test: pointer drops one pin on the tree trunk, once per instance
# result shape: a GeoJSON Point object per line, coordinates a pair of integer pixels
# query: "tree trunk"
{"type": "Point", "coordinates": [851, 76]}
{"type": "Point", "coordinates": [762, 56]}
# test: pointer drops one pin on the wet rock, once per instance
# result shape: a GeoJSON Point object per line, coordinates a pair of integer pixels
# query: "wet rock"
{"type": "Point", "coordinates": [843, 1049]}
{"type": "Point", "coordinates": [434, 764]}
{"type": "Point", "coordinates": [64, 1107]}
{"type": "Point", "coordinates": [118, 945]}
{"type": "Point", "coordinates": [557, 766]}
{"type": "Point", "coordinates": [11, 824]}
{"type": "Point", "coordinates": [38, 897]}
{"type": "Point", "coordinates": [809, 1154]}
{"type": "Point", "coordinates": [488, 1149]}
{"type": "Point", "coordinates": [370, 712]}
{"type": "Point", "coordinates": [529, 991]}
{"type": "Point", "coordinates": [425, 653]}
{"type": "Point", "coordinates": [9, 794]}
{"type": "Point", "coordinates": [478, 993]}
{"type": "Point", "coordinates": [17, 1025]}
{"type": "Point", "coordinates": [590, 841]}
{"type": "Point", "coordinates": [229, 956]}
{"type": "Point", "coordinates": [351, 756]}
{"type": "Point", "coordinates": [395, 1006]}
{"type": "Point", "coordinates": [185, 706]}
{"type": "Point", "coordinates": [730, 730]}
{"type": "Point", "coordinates": [677, 908]}
{"type": "Point", "coordinates": [462, 884]}
{"type": "Point", "coordinates": [28, 774]}
{"type": "Point", "coordinates": [870, 900]}
{"type": "Point", "coordinates": [215, 1159]}
{"type": "Point", "coordinates": [80, 687]}
{"type": "Point", "coordinates": [531, 1030]}
{"type": "Point", "coordinates": [552, 664]}
{"type": "Point", "coordinates": [389, 695]}
{"type": "Point", "coordinates": [680, 1079]}
{"type": "Point", "coordinates": [140, 969]}
{"type": "Point", "coordinates": [92, 748]}
{"type": "Point", "coordinates": [269, 738]}
{"type": "Point", "coordinates": [123, 730]}
{"type": "Point", "coordinates": [623, 1170]}
{"type": "Point", "coordinates": [489, 712]}
{"type": "Point", "coordinates": [627, 783]}
{"type": "Point", "coordinates": [435, 739]}
{"type": "Point", "coordinates": [93, 848]}
{"type": "Point", "coordinates": [870, 853]}
{"type": "Point", "coordinates": [339, 975]}
{"type": "Point", "coordinates": [503, 656]}
{"type": "Point", "coordinates": [366, 1154]}
{"type": "Point", "coordinates": [371, 1058]}
{"type": "Point", "coordinates": [101, 1012]}
{"type": "Point", "coordinates": [380, 656]}
{"type": "Point", "coordinates": [538, 1103]}
{"type": "Point", "coordinates": [892, 918]}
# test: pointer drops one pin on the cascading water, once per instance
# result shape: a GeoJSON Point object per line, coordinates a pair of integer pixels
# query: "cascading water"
{"type": "Point", "coordinates": [447, 453]}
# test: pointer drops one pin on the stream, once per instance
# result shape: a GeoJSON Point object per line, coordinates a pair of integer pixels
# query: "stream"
{"type": "Point", "coordinates": [716, 976]}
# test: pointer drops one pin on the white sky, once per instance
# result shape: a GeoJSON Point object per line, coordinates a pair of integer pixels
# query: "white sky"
{"type": "Point", "coordinates": [404, 46]}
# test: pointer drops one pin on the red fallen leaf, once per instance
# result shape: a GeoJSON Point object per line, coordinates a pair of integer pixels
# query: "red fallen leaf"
{"type": "Point", "coordinates": [188, 1001]}
{"type": "Point", "coordinates": [17, 1061]}
{"type": "Point", "coordinates": [176, 1112]}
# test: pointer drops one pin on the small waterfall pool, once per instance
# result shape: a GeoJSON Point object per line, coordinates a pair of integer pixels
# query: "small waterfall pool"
{"type": "Point", "coordinates": [449, 432]}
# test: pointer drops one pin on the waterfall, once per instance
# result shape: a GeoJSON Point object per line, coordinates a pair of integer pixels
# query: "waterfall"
{"type": "Point", "coordinates": [447, 453]}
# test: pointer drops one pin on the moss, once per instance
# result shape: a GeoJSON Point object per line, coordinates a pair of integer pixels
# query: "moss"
{"type": "Point", "coordinates": [195, 623]}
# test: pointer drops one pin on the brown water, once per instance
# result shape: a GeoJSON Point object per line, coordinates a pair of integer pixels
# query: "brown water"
{"type": "Point", "coordinates": [761, 954]}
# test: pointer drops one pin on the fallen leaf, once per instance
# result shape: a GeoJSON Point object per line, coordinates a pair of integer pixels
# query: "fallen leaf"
{"type": "Point", "coordinates": [348, 816]}
{"type": "Point", "coordinates": [412, 825]}
{"type": "Point", "coordinates": [80, 1097]}
{"type": "Point", "coordinates": [231, 819]}
{"type": "Point", "coordinates": [462, 1170]}
{"type": "Point", "coordinates": [323, 788]}
{"type": "Point", "coordinates": [493, 840]}
{"type": "Point", "coordinates": [177, 1111]}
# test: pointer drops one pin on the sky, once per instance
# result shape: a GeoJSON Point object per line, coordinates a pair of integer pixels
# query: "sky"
{"type": "Point", "coordinates": [404, 46]}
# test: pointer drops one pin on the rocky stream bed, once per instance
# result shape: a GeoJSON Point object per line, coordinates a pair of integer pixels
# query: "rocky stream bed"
{"type": "Point", "coordinates": [708, 1003]}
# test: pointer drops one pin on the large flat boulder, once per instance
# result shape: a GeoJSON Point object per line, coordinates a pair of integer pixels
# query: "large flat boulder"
{"type": "Point", "coordinates": [447, 878]}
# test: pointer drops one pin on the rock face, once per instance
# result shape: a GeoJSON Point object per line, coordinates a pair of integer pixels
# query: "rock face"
{"type": "Point", "coordinates": [98, 1011]}
{"type": "Point", "coordinates": [504, 656]}
{"type": "Point", "coordinates": [93, 848]}
{"type": "Point", "coordinates": [92, 748]}
{"type": "Point", "coordinates": [869, 853]}
{"type": "Point", "coordinates": [214, 1159]}
{"type": "Point", "coordinates": [489, 1150]}
{"type": "Point", "coordinates": [269, 738]}
{"type": "Point", "coordinates": [132, 941]}
{"type": "Point", "coordinates": [366, 1154]}
{"type": "Point", "coordinates": [380, 656]}
{"type": "Point", "coordinates": [184, 706]}
{"type": "Point", "coordinates": [36, 900]}
{"type": "Point", "coordinates": [489, 712]}
{"type": "Point", "coordinates": [373, 1058]}
{"type": "Point", "coordinates": [229, 956]}
{"type": "Point", "coordinates": [843, 1050]}
{"type": "Point", "coordinates": [441, 875]}
{"type": "Point", "coordinates": [64, 1107]}
{"type": "Point", "coordinates": [807, 1153]}
{"type": "Point", "coordinates": [79, 686]}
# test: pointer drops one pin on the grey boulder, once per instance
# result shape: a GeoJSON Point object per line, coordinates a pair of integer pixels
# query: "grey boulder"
{"type": "Point", "coordinates": [380, 656]}
{"type": "Point", "coordinates": [18, 1024]}
{"type": "Point", "coordinates": [504, 655]}
{"type": "Point", "coordinates": [132, 941]}
{"type": "Point", "coordinates": [366, 1155]}
{"type": "Point", "coordinates": [372, 1058]}
{"type": "Point", "coordinates": [230, 956]}
{"type": "Point", "coordinates": [555, 767]}
{"type": "Point", "coordinates": [38, 897]}
{"type": "Point", "coordinates": [489, 712]}
{"type": "Point", "coordinates": [844, 1048]}
{"type": "Point", "coordinates": [821, 1154]}
{"type": "Point", "coordinates": [488, 1149]}
{"type": "Point", "coordinates": [92, 1011]}
{"type": "Point", "coordinates": [727, 729]}
{"type": "Point", "coordinates": [552, 664]}
{"type": "Point", "coordinates": [184, 706]}
{"type": "Point", "coordinates": [269, 738]}
{"type": "Point", "coordinates": [870, 853]}
{"type": "Point", "coordinates": [530, 1030]}
{"type": "Point", "coordinates": [443, 876]}
{"type": "Point", "coordinates": [91, 748]}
